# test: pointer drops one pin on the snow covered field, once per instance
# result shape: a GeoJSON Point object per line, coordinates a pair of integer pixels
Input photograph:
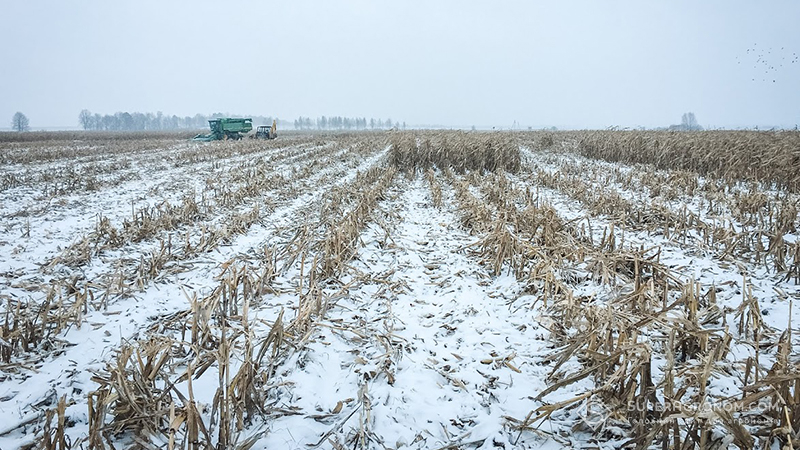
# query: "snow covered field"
{"type": "Point", "coordinates": [390, 290]}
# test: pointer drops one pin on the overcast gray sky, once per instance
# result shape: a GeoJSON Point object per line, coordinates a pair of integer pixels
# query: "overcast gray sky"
{"type": "Point", "coordinates": [570, 64]}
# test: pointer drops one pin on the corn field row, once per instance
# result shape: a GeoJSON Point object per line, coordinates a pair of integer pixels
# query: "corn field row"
{"type": "Point", "coordinates": [423, 289]}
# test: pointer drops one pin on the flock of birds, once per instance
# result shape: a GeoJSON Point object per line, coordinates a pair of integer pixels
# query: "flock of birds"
{"type": "Point", "coordinates": [767, 62]}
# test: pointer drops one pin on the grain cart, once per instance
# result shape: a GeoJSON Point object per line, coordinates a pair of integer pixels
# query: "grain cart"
{"type": "Point", "coordinates": [226, 128]}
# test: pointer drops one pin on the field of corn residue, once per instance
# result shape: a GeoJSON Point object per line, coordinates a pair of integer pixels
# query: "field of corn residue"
{"type": "Point", "coordinates": [392, 290]}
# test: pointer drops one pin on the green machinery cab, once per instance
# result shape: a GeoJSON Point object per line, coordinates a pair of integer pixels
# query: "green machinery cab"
{"type": "Point", "coordinates": [226, 128]}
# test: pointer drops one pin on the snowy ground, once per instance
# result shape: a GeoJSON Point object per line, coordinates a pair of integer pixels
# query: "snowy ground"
{"type": "Point", "coordinates": [30, 386]}
{"type": "Point", "coordinates": [437, 348]}
{"type": "Point", "coordinates": [420, 346]}
{"type": "Point", "coordinates": [687, 259]}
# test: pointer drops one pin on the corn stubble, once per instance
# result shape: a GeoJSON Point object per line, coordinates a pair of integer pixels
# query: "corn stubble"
{"type": "Point", "coordinates": [179, 232]}
{"type": "Point", "coordinates": [762, 156]}
{"type": "Point", "coordinates": [656, 318]}
{"type": "Point", "coordinates": [754, 232]}
{"type": "Point", "coordinates": [146, 392]}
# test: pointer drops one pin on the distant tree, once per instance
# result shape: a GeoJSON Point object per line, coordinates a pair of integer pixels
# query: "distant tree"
{"type": "Point", "coordinates": [689, 122]}
{"type": "Point", "coordinates": [20, 122]}
{"type": "Point", "coordinates": [86, 119]}
{"type": "Point", "coordinates": [126, 121]}
{"type": "Point", "coordinates": [110, 122]}
{"type": "Point", "coordinates": [150, 121]}
{"type": "Point", "coordinates": [139, 121]}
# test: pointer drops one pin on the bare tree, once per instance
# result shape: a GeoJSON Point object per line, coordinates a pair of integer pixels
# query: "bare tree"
{"type": "Point", "coordinates": [20, 122]}
{"type": "Point", "coordinates": [86, 119]}
{"type": "Point", "coordinates": [689, 122]}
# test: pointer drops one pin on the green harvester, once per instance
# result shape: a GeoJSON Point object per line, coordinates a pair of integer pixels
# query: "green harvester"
{"type": "Point", "coordinates": [226, 128]}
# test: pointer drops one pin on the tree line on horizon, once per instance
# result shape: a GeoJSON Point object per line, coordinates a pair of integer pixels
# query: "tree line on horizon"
{"type": "Point", "coordinates": [344, 123]}
{"type": "Point", "coordinates": [136, 121]}
{"type": "Point", "coordinates": [124, 121]}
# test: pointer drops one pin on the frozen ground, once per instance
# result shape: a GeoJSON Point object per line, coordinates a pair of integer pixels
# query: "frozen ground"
{"type": "Point", "coordinates": [429, 351]}
{"type": "Point", "coordinates": [419, 346]}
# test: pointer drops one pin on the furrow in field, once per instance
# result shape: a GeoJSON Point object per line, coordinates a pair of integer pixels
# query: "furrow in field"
{"type": "Point", "coordinates": [425, 352]}
{"type": "Point", "coordinates": [743, 207]}
{"type": "Point", "coordinates": [687, 261]}
{"type": "Point", "coordinates": [167, 179]}
{"type": "Point", "coordinates": [51, 234]}
{"type": "Point", "coordinates": [732, 305]}
{"type": "Point", "coordinates": [68, 373]}
{"type": "Point", "coordinates": [770, 244]}
{"type": "Point", "coordinates": [60, 225]}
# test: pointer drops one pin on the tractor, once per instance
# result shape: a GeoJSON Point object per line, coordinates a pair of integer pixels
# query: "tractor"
{"type": "Point", "coordinates": [266, 131]}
